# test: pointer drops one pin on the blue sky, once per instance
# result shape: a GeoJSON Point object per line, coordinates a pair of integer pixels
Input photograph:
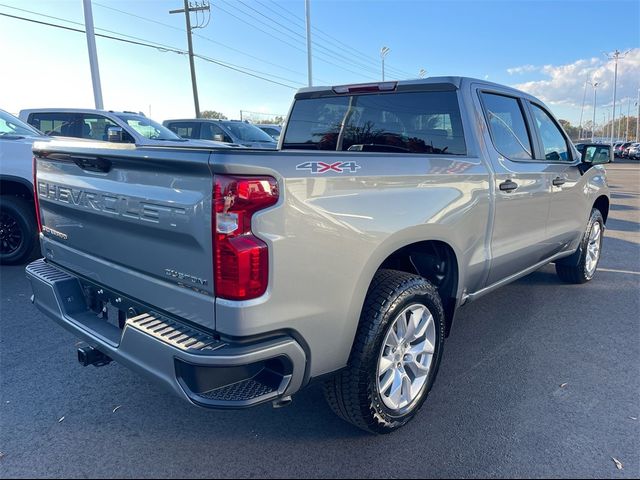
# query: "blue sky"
{"type": "Point", "coordinates": [548, 48]}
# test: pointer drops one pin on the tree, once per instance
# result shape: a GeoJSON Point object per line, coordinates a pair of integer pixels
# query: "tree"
{"type": "Point", "coordinates": [573, 132]}
{"type": "Point", "coordinates": [277, 120]}
{"type": "Point", "coordinates": [213, 114]}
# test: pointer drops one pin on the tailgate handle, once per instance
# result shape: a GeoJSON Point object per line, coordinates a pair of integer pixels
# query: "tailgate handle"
{"type": "Point", "coordinates": [93, 164]}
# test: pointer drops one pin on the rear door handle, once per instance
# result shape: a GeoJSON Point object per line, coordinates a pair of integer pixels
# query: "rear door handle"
{"type": "Point", "coordinates": [508, 185]}
{"type": "Point", "coordinates": [558, 181]}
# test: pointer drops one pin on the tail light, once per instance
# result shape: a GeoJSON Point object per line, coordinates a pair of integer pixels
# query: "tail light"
{"type": "Point", "coordinates": [241, 260]}
{"type": "Point", "coordinates": [36, 200]}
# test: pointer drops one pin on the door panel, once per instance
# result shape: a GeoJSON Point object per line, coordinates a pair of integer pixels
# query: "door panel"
{"type": "Point", "coordinates": [568, 213]}
{"type": "Point", "coordinates": [519, 238]}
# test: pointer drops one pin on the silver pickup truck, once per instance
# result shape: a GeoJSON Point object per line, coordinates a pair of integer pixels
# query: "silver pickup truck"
{"type": "Point", "coordinates": [236, 278]}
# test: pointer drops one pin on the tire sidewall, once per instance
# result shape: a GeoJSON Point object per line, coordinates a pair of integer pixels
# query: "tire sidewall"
{"type": "Point", "coordinates": [417, 293]}
{"type": "Point", "coordinates": [596, 217]}
{"type": "Point", "coordinates": [19, 210]}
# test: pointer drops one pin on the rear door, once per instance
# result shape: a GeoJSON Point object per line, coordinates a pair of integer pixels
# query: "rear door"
{"type": "Point", "coordinates": [522, 186]}
{"type": "Point", "coordinates": [136, 220]}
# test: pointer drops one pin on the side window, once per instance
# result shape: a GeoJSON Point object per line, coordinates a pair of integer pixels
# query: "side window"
{"type": "Point", "coordinates": [95, 127]}
{"type": "Point", "coordinates": [210, 130]}
{"type": "Point", "coordinates": [553, 141]}
{"type": "Point", "coordinates": [507, 126]}
{"type": "Point", "coordinates": [184, 129]}
{"type": "Point", "coordinates": [55, 124]}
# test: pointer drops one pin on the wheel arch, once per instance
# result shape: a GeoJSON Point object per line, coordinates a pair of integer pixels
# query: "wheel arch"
{"type": "Point", "coordinates": [602, 204]}
{"type": "Point", "coordinates": [16, 186]}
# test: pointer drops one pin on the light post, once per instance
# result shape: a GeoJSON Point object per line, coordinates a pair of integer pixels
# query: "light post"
{"type": "Point", "coordinates": [584, 96]}
{"type": "Point", "coordinates": [615, 56]}
{"type": "Point", "coordinates": [384, 51]}
{"type": "Point", "coordinates": [595, 91]}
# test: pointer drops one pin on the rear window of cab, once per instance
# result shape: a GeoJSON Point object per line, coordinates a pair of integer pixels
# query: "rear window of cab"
{"type": "Point", "coordinates": [405, 122]}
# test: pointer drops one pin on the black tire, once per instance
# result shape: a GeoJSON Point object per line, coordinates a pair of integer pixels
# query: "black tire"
{"type": "Point", "coordinates": [574, 269]}
{"type": "Point", "coordinates": [353, 392]}
{"type": "Point", "coordinates": [18, 230]}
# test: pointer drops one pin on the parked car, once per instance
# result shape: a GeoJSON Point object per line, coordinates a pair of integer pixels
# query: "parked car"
{"type": "Point", "coordinates": [18, 226]}
{"type": "Point", "coordinates": [104, 125]}
{"type": "Point", "coordinates": [625, 149]}
{"type": "Point", "coordinates": [238, 277]}
{"type": "Point", "coordinates": [634, 151]}
{"type": "Point", "coordinates": [227, 131]}
{"type": "Point", "coordinates": [619, 148]}
{"type": "Point", "coordinates": [272, 130]}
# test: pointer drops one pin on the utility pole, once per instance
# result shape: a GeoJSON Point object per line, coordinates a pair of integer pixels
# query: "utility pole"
{"type": "Point", "coordinates": [187, 14]}
{"type": "Point", "coordinates": [93, 54]}
{"type": "Point", "coordinates": [307, 9]}
{"type": "Point", "coordinates": [615, 56]}
{"type": "Point", "coordinates": [384, 51]}
{"type": "Point", "coordinates": [422, 73]}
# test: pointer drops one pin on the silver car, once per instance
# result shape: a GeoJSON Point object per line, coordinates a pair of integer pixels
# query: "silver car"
{"type": "Point", "coordinates": [105, 125]}
{"type": "Point", "coordinates": [227, 131]}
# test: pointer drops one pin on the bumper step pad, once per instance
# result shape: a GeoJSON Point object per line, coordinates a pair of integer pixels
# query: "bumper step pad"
{"type": "Point", "coordinates": [175, 334]}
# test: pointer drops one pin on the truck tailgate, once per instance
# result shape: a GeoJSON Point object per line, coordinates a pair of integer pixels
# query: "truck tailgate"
{"type": "Point", "coordinates": [139, 223]}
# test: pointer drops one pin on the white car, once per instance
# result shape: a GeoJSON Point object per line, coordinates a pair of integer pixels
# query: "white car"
{"type": "Point", "coordinates": [634, 151]}
{"type": "Point", "coordinates": [18, 226]}
{"type": "Point", "coordinates": [106, 125]}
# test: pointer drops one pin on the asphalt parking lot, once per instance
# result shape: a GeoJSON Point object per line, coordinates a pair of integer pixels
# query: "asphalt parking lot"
{"type": "Point", "coordinates": [538, 379]}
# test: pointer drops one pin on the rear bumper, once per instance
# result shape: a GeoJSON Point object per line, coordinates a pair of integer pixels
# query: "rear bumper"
{"type": "Point", "coordinates": [197, 366]}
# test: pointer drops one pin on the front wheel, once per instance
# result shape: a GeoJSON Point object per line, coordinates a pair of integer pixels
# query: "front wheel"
{"type": "Point", "coordinates": [395, 357]}
{"type": "Point", "coordinates": [588, 253]}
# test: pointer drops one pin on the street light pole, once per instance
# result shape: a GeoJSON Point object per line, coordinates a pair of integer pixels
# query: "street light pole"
{"type": "Point", "coordinates": [595, 91]}
{"type": "Point", "coordinates": [93, 55]}
{"type": "Point", "coordinates": [584, 96]}
{"type": "Point", "coordinates": [384, 51]}
{"type": "Point", "coordinates": [638, 119]}
{"type": "Point", "coordinates": [615, 56]}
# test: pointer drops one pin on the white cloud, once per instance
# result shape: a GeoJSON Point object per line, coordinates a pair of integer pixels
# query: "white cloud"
{"type": "Point", "coordinates": [521, 69]}
{"type": "Point", "coordinates": [564, 84]}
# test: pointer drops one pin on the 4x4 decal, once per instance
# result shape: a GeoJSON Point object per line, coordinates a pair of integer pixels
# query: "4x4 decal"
{"type": "Point", "coordinates": [322, 167]}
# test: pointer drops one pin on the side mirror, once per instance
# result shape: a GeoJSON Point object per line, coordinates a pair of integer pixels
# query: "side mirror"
{"type": "Point", "coordinates": [115, 134]}
{"type": "Point", "coordinates": [597, 154]}
{"type": "Point", "coordinates": [218, 137]}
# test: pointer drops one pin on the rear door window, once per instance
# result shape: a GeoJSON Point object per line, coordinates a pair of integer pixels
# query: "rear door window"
{"type": "Point", "coordinates": [56, 124]}
{"type": "Point", "coordinates": [406, 122]}
{"type": "Point", "coordinates": [185, 129]}
{"type": "Point", "coordinates": [507, 126]}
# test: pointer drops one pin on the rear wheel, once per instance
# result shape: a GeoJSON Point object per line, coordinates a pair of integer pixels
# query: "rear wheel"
{"type": "Point", "coordinates": [395, 357]}
{"type": "Point", "coordinates": [17, 230]}
{"type": "Point", "coordinates": [589, 256]}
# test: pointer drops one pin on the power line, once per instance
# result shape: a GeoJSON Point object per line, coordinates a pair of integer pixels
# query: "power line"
{"type": "Point", "coordinates": [217, 5]}
{"type": "Point", "coordinates": [162, 49]}
{"type": "Point", "coordinates": [203, 37]}
{"type": "Point", "coordinates": [330, 51]}
{"type": "Point", "coordinates": [331, 38]}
